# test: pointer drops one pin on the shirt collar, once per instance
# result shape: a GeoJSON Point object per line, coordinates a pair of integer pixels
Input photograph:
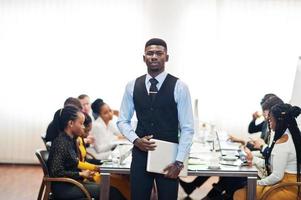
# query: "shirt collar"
{"type": "Point", "coordinates": [100, 120]}
{"type": "Point", "coordinates": [160, 77]}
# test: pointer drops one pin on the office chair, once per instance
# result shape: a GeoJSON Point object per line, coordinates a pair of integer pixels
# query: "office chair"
{"type": "Point", "coordinates": [42, 155]}
{"type": "Point", "coordinates": [265, 196]}
{"type": "Point", "coordinates": [47, 144]}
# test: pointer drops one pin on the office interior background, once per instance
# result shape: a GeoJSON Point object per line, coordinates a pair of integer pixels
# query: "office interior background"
{"type": "Point", "coordinates": [229, 52]}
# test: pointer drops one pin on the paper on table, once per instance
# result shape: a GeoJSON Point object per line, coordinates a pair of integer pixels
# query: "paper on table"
{"type": "Point", "coordinates": [196, 161]}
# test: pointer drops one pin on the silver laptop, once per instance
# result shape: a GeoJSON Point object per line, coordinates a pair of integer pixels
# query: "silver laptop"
{"type": "Point", "coordinates": [227, 154]}
{"type": "Point", "coordinates": [164, 154]}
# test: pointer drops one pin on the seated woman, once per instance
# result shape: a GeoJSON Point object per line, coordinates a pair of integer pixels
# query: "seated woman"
{"type": "Point", "coordinates": [63, 160]}
{"type": "Point", "coordinates": [103, 130]}
{"type": "Point", "coordinates": [122, 183]}
{"type": "Point", "coordinates": [226, 186]}
{"type": "Point", "coordinates": [284, 155]}
{"type": "Point", "coordinates": [51, 132]}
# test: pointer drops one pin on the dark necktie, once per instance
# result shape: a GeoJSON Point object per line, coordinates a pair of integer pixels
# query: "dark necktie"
{"type": "Point", "coordinates": [153, 90]}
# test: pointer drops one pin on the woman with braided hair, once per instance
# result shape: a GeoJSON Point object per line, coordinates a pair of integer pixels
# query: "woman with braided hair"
{"type": "Point", "coordinates": [63, 160]}
{"type": "Point", "coordinates": [283, 160]}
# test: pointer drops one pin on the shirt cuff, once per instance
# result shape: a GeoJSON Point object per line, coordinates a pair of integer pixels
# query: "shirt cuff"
{"type": "Point", "coordinates": [181, 156]}
{"type": "Point", "coordinates": [263, 147]}
{"type": "Point", "coordinates": [132, 137]}
{"type": "Point", "coordinates": [259, 182]}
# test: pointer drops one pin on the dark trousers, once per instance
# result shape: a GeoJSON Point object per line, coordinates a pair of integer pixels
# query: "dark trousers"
{"type": "Point", "coordinates": [68, 191]}
{"type": "Point", "coordinates": [142, 181]}
{"type": "Point", "coordinates": [200, 180]}
{"type": "Point", "coordinates": [225, 187]}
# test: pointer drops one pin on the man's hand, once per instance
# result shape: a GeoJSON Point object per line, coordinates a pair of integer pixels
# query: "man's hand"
{"type": "Point", "coordinates": [144, 144]}
{"type": "Point", "coordinates": [234, 138]}
{"type": "Point", "coordinates": [173, 170]}
{"type": "Point", "coordinates": [249, 156]}
{"type": "Point", "coordinates": [258, 143]}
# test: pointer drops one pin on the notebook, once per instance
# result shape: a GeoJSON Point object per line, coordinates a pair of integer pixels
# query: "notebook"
{"type": "Point", "coordinates": [164, 154]}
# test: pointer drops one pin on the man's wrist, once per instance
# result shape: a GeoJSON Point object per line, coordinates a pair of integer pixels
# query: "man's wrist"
{"type": "Point", "coordinates": [136, 141]}
{"type": "Point", "coordinates": [179, 164]}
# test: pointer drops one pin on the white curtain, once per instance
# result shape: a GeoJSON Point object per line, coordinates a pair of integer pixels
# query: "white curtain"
{"type": "Point", "coordinates": [230, 53]}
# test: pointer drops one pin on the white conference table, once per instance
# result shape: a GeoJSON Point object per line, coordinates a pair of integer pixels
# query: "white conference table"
{"type": "Point", "coordinates": [195, 169]}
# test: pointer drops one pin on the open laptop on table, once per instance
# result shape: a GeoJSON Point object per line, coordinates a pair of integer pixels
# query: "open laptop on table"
{"type": "Point", "coordinates": [234, 157]}
{"type": "Point", "coordinates": [228, 154]}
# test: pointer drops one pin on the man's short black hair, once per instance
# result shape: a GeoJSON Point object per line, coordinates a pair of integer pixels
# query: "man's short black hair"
{"type": "Point", "coordinates": [156, 41]}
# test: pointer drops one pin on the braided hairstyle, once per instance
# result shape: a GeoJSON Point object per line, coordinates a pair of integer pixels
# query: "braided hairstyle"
{"type": "Point", "coordinates": [285, 116]}
{"type": "Point", "coordinates": [88, 119]}
{"type": "Point", "coordinates": [63, 116]}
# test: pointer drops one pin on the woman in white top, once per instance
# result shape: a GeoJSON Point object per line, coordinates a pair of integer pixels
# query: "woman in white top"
{"type": "Point", "coordinates": [103, 130]}
{"type": "Point", "coordinates": [283, 160]}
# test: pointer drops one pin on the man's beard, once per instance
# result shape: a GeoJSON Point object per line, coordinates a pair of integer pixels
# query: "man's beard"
{"type": "Point", "coordinates": [154, 69]}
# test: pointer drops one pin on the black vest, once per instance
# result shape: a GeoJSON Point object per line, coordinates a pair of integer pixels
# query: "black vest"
{"type": "Point", "coordinates": [160, 117]}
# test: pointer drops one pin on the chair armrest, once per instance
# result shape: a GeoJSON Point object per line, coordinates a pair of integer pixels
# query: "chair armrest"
{"type": "Point", "coordinates": [69, 180]}
{"type": "Point", "coordinates": [277, 186]}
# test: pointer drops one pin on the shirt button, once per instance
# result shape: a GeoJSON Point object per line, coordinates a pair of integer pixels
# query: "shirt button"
{"type": "Point", "coordinates": [152, 124]}
{"type": "Point", "coordinates": [151, 109]}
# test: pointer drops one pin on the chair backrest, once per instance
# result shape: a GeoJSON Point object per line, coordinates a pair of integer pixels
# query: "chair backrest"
{"type": "Point", "coordinates": [47, 144]}
{"type": "Point", "coordinates": [44, 139]}
{"type": "Point", "coordinates": [42, 155]}
{"type": "Point", "coordinates": [270, 191]}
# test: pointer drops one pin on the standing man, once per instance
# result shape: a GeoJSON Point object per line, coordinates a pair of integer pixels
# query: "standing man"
{"type": "Point", "coordinates": [163, 109]}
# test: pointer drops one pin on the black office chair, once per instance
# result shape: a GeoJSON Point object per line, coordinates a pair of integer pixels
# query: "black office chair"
{"type": "Point", "coordinates": [47, 144]}
{"type": "Point", "coordinates": [42, 155]}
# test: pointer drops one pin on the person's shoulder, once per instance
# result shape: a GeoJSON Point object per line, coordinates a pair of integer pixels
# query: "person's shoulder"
{"type": "Point", "coordinates": [172, 76]}
{"type": "Point", "coordinates": [181, 85]}
{"type": "Point", "coordinates": [284, 138]}
{"type": "Point", "coordinates": [139, 77]}
{"type": "Point", "coordinates": [59, 141]}
{"type": "Point", "coordinates": [130, 85]}
{"type": "Point", "coordinates": [97, 123]}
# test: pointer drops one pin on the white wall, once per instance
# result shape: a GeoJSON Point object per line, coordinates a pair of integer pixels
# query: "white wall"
{"type": "Point", "coordinates": [230, 53]}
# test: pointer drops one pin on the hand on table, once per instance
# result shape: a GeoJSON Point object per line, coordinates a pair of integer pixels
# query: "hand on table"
{"type": "Point", "coordinates": [234, 138]}
{"type": "Point", "coordinates": [258, 143]}
{"type": "Point", "coordinates": [249, 156]}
